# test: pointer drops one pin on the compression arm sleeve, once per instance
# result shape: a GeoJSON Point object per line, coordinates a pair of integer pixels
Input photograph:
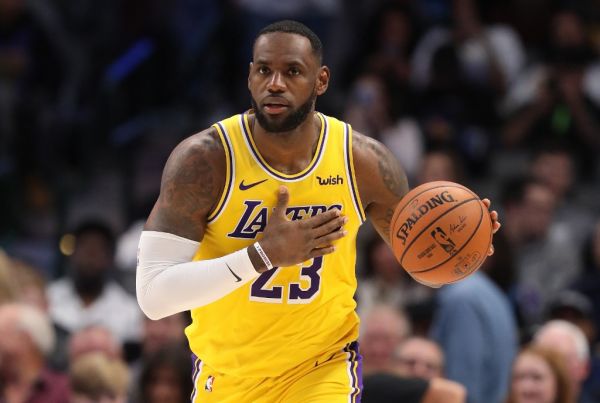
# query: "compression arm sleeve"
{"type": "Point", "coordinates": [167, 281]}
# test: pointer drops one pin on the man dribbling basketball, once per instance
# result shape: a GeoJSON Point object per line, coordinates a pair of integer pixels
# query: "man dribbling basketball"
{"type": "Point", "coordinates": [254, 232]}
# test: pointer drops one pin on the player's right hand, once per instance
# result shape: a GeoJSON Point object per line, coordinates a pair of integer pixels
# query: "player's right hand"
{"type": "Point", "coordinates": [288, 242]}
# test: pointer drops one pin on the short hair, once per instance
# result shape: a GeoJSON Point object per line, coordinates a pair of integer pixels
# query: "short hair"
{"type": "Point", "coordinates": [581, 343]}
{"type": "Point", "coordinates": [295, 27]}
{"type": "Point", "coordinates": [95, 226]}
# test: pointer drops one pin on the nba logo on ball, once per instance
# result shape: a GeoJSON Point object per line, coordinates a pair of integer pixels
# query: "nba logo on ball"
{"type": "Point", "coordinates": [440, 232]}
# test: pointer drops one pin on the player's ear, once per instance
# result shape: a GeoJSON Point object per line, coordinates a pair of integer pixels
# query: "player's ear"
{"type": "Point", "coordinates": [323, 80]}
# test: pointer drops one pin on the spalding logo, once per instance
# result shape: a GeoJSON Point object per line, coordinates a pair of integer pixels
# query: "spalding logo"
{"type": "Point", "coordinates": [420, 210]}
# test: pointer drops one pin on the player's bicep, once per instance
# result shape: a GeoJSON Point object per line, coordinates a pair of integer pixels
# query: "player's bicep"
{"type": "Point", "coordinates": [382, 182]}
{"type": "Point", "coordinates": [190, 187]}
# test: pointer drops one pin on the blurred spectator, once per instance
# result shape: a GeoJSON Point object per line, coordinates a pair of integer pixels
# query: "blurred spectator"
{"type": "Point", "coordinates": [576, 308]}
{"type": "Point", "coordinates": [382, 330]}
{"type": "Point", "coordinates": [385, 282]}
{"type": "Point", "coordinates": [547, 258]}
{"type": "Point", "coordinates": [557, 99]}
{"type": "Point", "coordinates": [440, 164]}
{"type": "Point", "coordinates": [570, 342]}
{"type": "Point", "coordinates": [93, 339]}
{"type": "Point", "coordinates": [26, 341]}
{"type": "Point", "coordinates": [87, 295]}
{"type": "Point", "coordinates": [555, 167]}
{"type": "Point", "coordinates": [420, 358]}
{"type": "Point", "coordinates": [97, 378]}
{"type": "Point", "coordinates": [166, 376]}
{"type": "Point", "coordinates": [157, 335]}
{"type": "Point", "coordinates": [391, 38]}
{"type": "Point", "coordinates": [489, 56]}
{"type": "Point", "coordinates": [475, 326]}
{"type": "Point", "coordinates": [539, 375]}
{"type": "Point", "coordinates": [588, 283]}
{"type": "Point", "coordinates": [459, 71]}
{"type": "Point", "coordinates": [368, 110]}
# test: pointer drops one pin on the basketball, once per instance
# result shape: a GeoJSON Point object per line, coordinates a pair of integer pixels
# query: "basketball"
{"type": "Point", "coordinates": [440, 232]}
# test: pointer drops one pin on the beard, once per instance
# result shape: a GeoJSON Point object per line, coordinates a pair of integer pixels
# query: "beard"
{"type": "Point", "coordinates": [289, 123]}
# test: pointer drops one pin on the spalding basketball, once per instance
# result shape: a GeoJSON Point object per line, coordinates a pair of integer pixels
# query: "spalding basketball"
{"type": "Point", "coordinates": [441, 232]}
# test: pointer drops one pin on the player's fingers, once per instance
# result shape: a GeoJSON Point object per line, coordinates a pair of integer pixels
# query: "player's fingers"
{"type": "Point", "coordinates": [329, 238]}
{"type": "Point", "coordinates": [486, 202]}
{"type": "Point", "coordinates": [283, 197]}
{"type": "Point", "coordinates": [322, 218]}
{"type": "Point", "coordinates": [494, 215]}
{"type": "Point", "coordinates": [491, 250]}
{"type": "Point", "coordinates": [330, 226]}
{"type": "Point", "coordinates": [496, 226]}
{"type": "Point", "coordinates": [326, 250]}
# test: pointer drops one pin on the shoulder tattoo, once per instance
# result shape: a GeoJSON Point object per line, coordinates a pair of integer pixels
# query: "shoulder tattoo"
{"type": "Point", "coordinates": [190, 185]}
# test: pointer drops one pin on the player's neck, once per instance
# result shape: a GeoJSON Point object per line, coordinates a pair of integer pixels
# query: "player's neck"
{"type": "Point", "coordinates": [288, 152]}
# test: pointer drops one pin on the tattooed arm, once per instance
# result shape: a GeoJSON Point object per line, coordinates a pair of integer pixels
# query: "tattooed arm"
{"type": "Point", "coordinates": [192, 182]}
{"type": "Point", "coordinates": [381, 181]}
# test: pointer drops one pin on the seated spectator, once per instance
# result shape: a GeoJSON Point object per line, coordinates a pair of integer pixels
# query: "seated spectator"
{"type": "Point", "coordinates": [97, 378]}
{"type": "Point", "coordinates": [420, 358]}
{"type": "Point", "coordinates": [539, 375]}
{"type": "Point", "coordinates": [570, 342]}
{"type": "Point", "coordinates": [383, 328]}
{"type": "Point", "coordinates": [87, 295]}
{"type": "Point", "coordinates": [167, 376]}
{"type": "Point", "coordinates": [93, 339]}
{"type": "Point", "coordinates": [26, 341]}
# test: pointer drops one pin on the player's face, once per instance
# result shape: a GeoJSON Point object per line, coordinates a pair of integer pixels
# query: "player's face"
{"type": "Point", "coordinates": [284, 80]}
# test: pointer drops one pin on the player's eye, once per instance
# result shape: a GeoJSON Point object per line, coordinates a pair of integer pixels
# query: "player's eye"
{"type": "Point", "coordinates": [294, 71]}
{"type": "Point", "coordinates": [263, 70]}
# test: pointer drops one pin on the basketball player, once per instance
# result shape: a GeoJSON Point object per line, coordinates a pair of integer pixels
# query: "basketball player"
{"type": "Point", "coordinates": [254, 232]}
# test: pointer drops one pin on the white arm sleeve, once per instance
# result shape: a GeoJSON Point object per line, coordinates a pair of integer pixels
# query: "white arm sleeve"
{"type": "Point", "coordinates": [167, 281]}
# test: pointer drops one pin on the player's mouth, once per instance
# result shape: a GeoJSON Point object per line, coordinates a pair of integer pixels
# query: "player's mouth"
{"type": "Point", "coordinates": [275, 106]}
{"type": "Point", "coordinates": [275, 109]}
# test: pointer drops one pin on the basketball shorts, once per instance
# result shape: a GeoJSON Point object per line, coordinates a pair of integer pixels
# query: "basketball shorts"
{"type": "Point", "coordinates": [333, 377]}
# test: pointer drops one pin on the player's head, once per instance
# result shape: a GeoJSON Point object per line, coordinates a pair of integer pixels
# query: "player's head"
{"type": "Point", "coordinates": [286, 75]}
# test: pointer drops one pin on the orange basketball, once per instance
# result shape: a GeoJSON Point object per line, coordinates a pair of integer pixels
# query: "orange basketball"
{"type": "Point", "coordinates": [441, 232]}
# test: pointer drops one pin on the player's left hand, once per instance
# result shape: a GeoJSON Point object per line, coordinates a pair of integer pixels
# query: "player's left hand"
{"type": "Point", "coordinates": [495, 223]}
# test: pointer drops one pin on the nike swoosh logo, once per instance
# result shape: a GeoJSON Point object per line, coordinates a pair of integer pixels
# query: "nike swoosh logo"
{"type": "Point", "coordinates": [250, 185]}
{"type": "Point", "coordinates": [237, 278]}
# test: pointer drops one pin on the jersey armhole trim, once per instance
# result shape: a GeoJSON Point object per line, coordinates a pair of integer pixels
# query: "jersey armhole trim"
{"type": "Point", "coordinates": [351, 173]}
{"type": "Point", "coordinates": [229, 166]}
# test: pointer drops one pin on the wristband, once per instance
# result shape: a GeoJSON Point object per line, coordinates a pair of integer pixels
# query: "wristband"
{"type": "Point", "coordinates": [263, 255]}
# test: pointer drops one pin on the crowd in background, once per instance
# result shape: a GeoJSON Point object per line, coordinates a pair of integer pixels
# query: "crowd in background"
{"type": "Point", "coordinates": [502, 96]}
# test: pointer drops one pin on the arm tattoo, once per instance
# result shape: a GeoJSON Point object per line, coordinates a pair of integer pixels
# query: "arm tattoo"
{"type": "Point", "coordinates": [391, 173]}
{"type": "Point", "coordinates": [190, 187]}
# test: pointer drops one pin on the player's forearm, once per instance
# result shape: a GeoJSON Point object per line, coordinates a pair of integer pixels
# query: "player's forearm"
{"type": "Point", "coordinates": [167, 281]}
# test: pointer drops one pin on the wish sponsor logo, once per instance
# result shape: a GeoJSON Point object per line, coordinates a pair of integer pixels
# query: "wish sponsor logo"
{"type": "Point", "coordinates": [330, 180]}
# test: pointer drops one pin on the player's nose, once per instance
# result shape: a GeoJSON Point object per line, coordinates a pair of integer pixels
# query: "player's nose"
{"type": "Point", "coordinates": [276, 83]}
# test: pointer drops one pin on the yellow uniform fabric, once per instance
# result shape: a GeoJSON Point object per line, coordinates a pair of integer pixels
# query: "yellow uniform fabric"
{"type": "Point", "coordinates": [292, 314]}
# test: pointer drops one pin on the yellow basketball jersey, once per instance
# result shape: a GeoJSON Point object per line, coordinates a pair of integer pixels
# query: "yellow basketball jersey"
{"type": "Point", "coordinates": [290, 314]}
